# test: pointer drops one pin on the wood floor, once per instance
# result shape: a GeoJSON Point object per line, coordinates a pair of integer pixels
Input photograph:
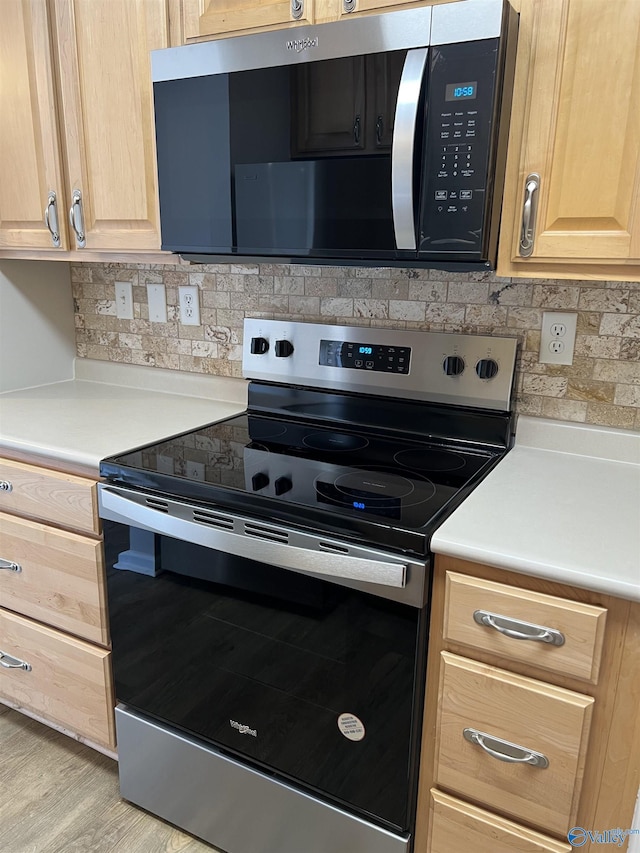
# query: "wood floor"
{"type": "Point", "coordinates": [58, 796]}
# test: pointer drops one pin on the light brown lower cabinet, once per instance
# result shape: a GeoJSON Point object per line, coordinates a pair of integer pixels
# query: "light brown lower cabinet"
{"type": "Point", "coordinates": [531, 723]}
{"type": "Point", "coordinates": [512, 718]}
{"type": "Point", "coordinates": [55, 661]}
{"type": "Point", "coordinates": [458, 826]}
{"type": "Point", "coordinates": [58, 677]}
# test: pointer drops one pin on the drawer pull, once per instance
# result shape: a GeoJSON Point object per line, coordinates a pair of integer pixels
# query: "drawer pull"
{"type": "Point", "coordinates": [503, 750]}
{"type": "Point", "coordinates": [517, 629]}
{"type": "Point", "coordinates": [6, 486]}
{"type": "Point", "coordinates": [9, 662]}
{"type": "Point", "coordinates": [10, 566]}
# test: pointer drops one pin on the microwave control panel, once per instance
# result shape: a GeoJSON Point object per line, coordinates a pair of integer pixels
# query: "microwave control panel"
{"type": "Point", "coordinates": [460, 122]}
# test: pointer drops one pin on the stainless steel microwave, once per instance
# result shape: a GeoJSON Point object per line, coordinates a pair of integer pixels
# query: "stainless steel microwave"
{"type": "Point", "coordinates": [377, 140]}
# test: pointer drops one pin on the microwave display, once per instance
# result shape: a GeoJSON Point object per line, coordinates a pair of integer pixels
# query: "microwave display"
{"type": "Point", "coordinates": [461, 91]}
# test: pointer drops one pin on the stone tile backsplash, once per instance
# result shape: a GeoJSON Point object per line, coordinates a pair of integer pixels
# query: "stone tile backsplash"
{"type": "Point", "coordinates": [602, 386]}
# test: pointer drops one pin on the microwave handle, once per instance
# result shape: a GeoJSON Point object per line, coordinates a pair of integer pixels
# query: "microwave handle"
{"type": "Point", "coordinates": [402, 148]}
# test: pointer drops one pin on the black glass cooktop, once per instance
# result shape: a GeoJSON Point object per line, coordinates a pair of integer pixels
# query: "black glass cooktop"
{"type": "Point", "coordinates": [359, 483]}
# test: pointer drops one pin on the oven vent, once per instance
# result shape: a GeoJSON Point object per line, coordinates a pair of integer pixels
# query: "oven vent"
{"type": "Point", "coordinates": [333, 548]}
{"type": "Point", "coordinates": [268, 533]}
{"type": "Point", "coordinates": [157, 504]}
{"type": "Point", "coordinates": [213, 519]}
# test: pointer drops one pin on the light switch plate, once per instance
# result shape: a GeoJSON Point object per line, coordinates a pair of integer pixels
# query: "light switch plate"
{"type": "Point", "coordinates": [124, 300]}
{"type": "Point", "coordinates": [157, 298]}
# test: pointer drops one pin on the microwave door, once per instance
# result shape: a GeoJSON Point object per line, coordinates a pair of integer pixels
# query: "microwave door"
{"type": "Point", "coordinates": [403, 148]}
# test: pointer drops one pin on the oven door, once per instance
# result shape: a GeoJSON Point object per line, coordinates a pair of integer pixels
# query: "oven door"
{"type": "Point", "coordinates": [277, 658]}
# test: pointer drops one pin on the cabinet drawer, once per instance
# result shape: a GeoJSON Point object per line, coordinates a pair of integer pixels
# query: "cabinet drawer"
{"type": "Point", "coordinates": [50, 495]}
{"type": "Point", "coordinates": [581, 626]}
{"type": "Point", "coordinates": [549, 720]}
{"type": "Point", "coordinates": [457, 827]}
{"type": "Point", "coordinates": [68, 683]}
{"type": "Point", "coordinates": [60, 579]}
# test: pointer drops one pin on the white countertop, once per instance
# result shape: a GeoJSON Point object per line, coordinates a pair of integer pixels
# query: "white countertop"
{"type": "Point", "coordinates": [112, 407]}
{"type": "Point", "coordinates": [564, 505]}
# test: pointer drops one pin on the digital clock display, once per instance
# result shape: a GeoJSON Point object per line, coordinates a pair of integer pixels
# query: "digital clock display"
{"type": "Point", "coordinates": [461, 91]}
{"type": "Point", "coordinates": [355, 355]}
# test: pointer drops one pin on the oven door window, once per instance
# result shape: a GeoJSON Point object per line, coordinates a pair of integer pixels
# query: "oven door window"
{"type": "Point", "coordinates": [293, 160]}
{"type": "Point", "coordinates": [304, 678]}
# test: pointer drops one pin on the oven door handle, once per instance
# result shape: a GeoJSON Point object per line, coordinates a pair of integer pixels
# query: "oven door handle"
{"type": "Point", "coordinates": [251, 542]}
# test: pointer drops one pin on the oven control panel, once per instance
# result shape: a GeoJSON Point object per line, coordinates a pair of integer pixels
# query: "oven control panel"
{"type": "Point", "coordinates": [358, 356]}
{"type": "Point", "coordinates": [458, 369]}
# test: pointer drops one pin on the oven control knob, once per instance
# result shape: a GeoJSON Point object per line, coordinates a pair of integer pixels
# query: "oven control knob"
{"type": "Point", "coordinates": [259, 346]}
{"type": "Point", "coordinates": [453, 365]}
{"type": "Point", "coordinates": [259, 481]}
{"type": "Point", "coordinates": [284, 349]}
{"type": "Point", "coordinates": [282, 485]}
{"type": "Point", "coordinates": [486, 368]}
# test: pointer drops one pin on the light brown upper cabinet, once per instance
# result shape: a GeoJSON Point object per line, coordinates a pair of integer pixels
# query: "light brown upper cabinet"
{"type": "Point", "coordinates": [572, 196]}
{"type": "Point", "coordinates": [207, 18]}
{"type": "Point", "coordinates": [77, 122]}
{"type": "Point", "coordinates": [349, 8]}
{"type": "Point", "coordinates": [30, 153]}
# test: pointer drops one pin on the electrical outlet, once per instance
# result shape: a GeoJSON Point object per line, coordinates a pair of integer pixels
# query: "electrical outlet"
{"type": "Point", "coordinates": [124, 300]}
{"type": "Point", "coordinates": [558, 337]}
{"type": "Point", "coordinates": [157, 298]}
{"type": "Point", "coordinates": [189, 298]}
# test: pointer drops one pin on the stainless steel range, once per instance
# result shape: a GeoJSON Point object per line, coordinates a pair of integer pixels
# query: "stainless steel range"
{"type": "Point", "coordinates": [269, 581]}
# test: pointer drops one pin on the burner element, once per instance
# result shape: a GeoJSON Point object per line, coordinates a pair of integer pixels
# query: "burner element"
{"type": "Point", "coordinates": [374, 484]}
{"type": "Point", "coordinates": [334, 441]}
{"type": "Point", "coordinates": [428, 459]}
{"type": "Point", "coordinates": [260, 430]}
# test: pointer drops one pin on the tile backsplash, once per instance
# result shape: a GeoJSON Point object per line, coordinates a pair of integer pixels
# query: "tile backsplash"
{"type": "Point", "coordinates": [602, 386]}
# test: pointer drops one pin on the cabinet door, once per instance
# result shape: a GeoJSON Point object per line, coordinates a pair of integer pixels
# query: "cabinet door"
{"type": "Point", "coordinates": [580, 132]}
{"type": "Point", "coordinates": [387, 73]}
{"type": "Point", "coordinates": [351, 7]}
{"type": "Point", "coordinates": [107, 116]}
{"type": "Point", "coordinates": [30, 159]}
{"type": "Point", "coordinates": [224, 17]}
{"type": "Point", "coordinates": [328, 105]}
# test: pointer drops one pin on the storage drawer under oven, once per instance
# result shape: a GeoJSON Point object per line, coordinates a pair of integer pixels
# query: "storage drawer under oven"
{"type": "Point", "coordinates": [512, 743]}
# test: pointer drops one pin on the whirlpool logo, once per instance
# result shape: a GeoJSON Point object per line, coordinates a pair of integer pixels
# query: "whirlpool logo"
{"type": "Point", "coordinates": [244, 730]}
{"type": "Point", "coordinates": [302, 44]}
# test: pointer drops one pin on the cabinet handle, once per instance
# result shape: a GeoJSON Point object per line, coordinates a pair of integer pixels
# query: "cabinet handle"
{"type": "Point", "coordinates": [356, 130]}
{"type": "Point", "coordinates": [76, 218]}
{"type": "Point", "coordinates": [379, 129]}
{"type": "Point", "coordinates": [503, 750]}
{"type": "Point", "coordinates": [10, 566]}
{"type": "Point", "coordinates": [348, 5]}
{"type": "Point", "coordinates": [9, 662]}
{"type": "Point", "coordinates": [517, 629]}
{"type": "Point", "coordinates": [51, 218]}
{"type": "Point", "coordinates": [6, 486]}
{"type": "Point", "coordinates": [297, 8]}
{"type": "Point", "coordinates": [529, 212]}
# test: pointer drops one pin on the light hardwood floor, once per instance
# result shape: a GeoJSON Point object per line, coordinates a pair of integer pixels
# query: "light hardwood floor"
{"type": "Point", "coordinates": [58, 796]}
